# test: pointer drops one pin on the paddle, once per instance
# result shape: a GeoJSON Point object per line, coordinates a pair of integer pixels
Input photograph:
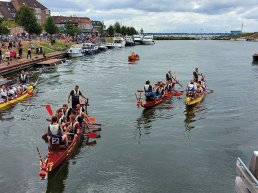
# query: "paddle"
{"type": "Point", "coordinates": [49, 110]}
{"type": "Point", "coordinates": [177, 81]}
{"type": "Point", "coordinates": [90, 135]}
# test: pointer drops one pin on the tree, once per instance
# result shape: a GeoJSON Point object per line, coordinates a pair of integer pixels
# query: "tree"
{"type": "Point", "coordinates": [26, 18]}
{"type": "Point", "coordinates": [117, 27]}
{"type": "Point", "coordinates": [111, 30]}
{"type": "Point", "coordinates": [4, 30]}
{"type": "Point", "coordinates": [50, 28]}
{"type": "Point", "coordinates": [123, 30]}
{"type": "Point", "coordinates": [71, 29]}
{"type": "Point", "coordinates": [141, 31]}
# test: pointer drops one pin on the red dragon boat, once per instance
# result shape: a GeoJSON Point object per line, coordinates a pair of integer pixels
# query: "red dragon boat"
{"type": "Point", "coordinates": [141, 102]}
{"type": "Point", "coordinates": [133, 58]}
{"type": "Point", "coordinates": [58, 154]}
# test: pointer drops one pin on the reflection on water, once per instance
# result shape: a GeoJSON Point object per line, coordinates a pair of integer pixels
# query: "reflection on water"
{"type": "Point", "coordinates": [56, 180]}
{"type": "Point", "coordinates": [190, 115]}
{"type": "Point", "coordinates": [144, 121]}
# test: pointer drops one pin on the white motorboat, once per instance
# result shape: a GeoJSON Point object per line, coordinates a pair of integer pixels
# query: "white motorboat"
{"type": "Point", "coordinates": [148, 40]}
{"type": "Point", "coordinates": [246, 180]}
{"type": "Point", "coordinates": [90, 48]}
{"type": "Point", "coordinates": [103, 47]}
{"type": "Point", "coordinates": [129, 41]}
{"type": "Point", "coordinates": [137, 39]}
{"type": "Point", "coordinates": [75, 51]}
{"type": "Point", "coordinates": [119, 41]}
{"type": "Point", "coordinates": [110, 45]}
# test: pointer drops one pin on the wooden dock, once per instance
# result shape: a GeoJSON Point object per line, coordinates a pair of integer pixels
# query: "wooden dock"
{"type": "Point", "coordinates": [20, 64]}
{"type": "Point", "coordinates": [50, 62]}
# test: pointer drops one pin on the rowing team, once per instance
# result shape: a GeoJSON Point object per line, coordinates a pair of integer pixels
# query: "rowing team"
{"type": "Point", "coordinates": [11, 92]}
{"type": "Point", "coordinates": [66, 124]}
{"type": "Point", "coordinates": [195, 88]}
{"type": "Point", "coordinates": [160, 88]}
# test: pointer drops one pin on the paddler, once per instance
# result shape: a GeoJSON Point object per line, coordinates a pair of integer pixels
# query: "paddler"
{"type": "Point", "coordinates": [195, 75]}
{"type": "Point", "coordinates": [23, 78]}
{"type": "Point", "coordinates": [75, 94]}
{"type": "Point", "coordinates": [148, 91]}
{"type": "Point", "coordinates": [169, 76]}
{"type": "Point", "coordinates": [55, 133]}
{"type": "Point", "coordinates": [190, 89]}
{"type": "Point", "coordinates": [74, 126]}
{"type": "Point", "coordinates": [3, 94]}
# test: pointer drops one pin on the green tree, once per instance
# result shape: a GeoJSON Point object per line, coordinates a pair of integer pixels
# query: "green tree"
{"type": "Point", "coordinates": [8, 24]}
{"type": "Point", "coordinates": [142, 31]}
{"type": "Point", "coordinates": [111, 30]}
{"type": "Point", "coordinates": [51, 28]}
{"type": "Point", "coordinates": [71, 29]}
{"type": "Point", "coordinates": [123, 30]}
{"type": "Point", "coordinates": [4, 30]}
{"type": "Point", "coordinates": [26, 18]}
{"type": "Point", "coordinates": [117, 27]}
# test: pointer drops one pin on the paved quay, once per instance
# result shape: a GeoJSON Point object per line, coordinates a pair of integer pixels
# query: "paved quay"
{"type": "Point", "coordinates": [20, 64]}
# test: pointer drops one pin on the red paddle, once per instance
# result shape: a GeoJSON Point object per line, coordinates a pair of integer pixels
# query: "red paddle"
{"type": "Point", "coordinates": [49, 110]}
{"type": "Point", "coordinates": [91, 135]}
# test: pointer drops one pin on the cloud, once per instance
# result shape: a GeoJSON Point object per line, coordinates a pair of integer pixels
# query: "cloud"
{"type": "Point", "coordinates": [165, 15]}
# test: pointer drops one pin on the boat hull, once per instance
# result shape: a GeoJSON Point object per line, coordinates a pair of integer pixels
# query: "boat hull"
{"type": "Point", "coordinates": [133, 58]}
{"type": "Point", "coordinates": [56, 157]}
{"type": "Point", "coordinates": [149, 104]}
{"type": "Point", "coordinates": [189, 101]}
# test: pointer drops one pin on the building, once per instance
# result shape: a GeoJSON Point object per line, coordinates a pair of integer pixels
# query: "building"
{"type": "Point", "coordinates": [7, 10]}
{"type": "Point", "coordinates": [83, 23]}
{"type": "Point", "coordinates": [97, 26]}
{"type": "Point", "coordinates": [41, 12]}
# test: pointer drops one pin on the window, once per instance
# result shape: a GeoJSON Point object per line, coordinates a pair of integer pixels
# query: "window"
{"type": "Point", "coordinates": [47, 11]}
{"type": "Point", "coordinates": [37, 10]}
{"type": "Point", "coordinates": [38, 17]}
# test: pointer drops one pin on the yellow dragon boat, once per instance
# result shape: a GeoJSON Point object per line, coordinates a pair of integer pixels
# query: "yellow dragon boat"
{"type": "Point", "coordinates": [28, 93]}
{"type": "Point", "coordinates": [191, 101]}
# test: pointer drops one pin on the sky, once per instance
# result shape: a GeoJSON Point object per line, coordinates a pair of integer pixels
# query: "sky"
{"type": "Point", "coordinates": [165, 15]}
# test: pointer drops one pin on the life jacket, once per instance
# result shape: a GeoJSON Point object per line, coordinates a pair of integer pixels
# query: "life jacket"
{"type": "Point", "coordinates": [190, 88]}
{"type": "Point", "coordinates": [195, 74]}
{"type": "Point", "coordinates": [79, 115]}
{"type": "Point", "coordinates": [147, 89]}
{"type": "Point", "coordinates": [168, 76]}
{"type": "Point", "coordinates": [3, 94]}
{"type": "Point", "coordinates": [23, 79]}
{"type": "Point", "coordinates": [55, 134]}
{"type": "Point", "coordinates": [61, 119]}
{"type": "Point", "coordinates": [73, 127]}
{"type": "Point", "coordinates": [75, 96]}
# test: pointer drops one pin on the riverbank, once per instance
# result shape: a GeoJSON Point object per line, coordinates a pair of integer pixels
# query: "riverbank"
{"type": "Point", "coordinates": [41, 50]}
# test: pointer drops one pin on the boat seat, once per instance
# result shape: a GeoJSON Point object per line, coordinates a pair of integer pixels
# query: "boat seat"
{"type": "Point", "coordinates": [57, 147]}
{"type": "Point", "coordinates": [253, 166]}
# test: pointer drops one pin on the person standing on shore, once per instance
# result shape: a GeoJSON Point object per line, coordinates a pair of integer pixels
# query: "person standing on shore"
{"type": "Point", "coordinates": [20, 52]}
{"type": "Point", "coordinates": [1, 55]}
{"type": "Point", "coordinates": [75, 94]}
{"type": "Point", "coordinates": [7, 56]}
{"type": "Point", "coordinates": [29, 53]}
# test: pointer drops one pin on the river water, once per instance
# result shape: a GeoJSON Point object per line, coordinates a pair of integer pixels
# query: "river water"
{"type": "Point", "coordinates": [170, 148]}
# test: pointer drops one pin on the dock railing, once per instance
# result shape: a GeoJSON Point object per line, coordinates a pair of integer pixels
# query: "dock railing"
{"type": "Point", "coordinates": [248, 171]}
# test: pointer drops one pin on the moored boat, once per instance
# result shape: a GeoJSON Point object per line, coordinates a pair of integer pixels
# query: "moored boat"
{"type": "Point", "coordinates": [29, 92]}
{"type": "Point", "coordinates": [75, 51]}
{"type": "Point", "coordinates": [247, 177]}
